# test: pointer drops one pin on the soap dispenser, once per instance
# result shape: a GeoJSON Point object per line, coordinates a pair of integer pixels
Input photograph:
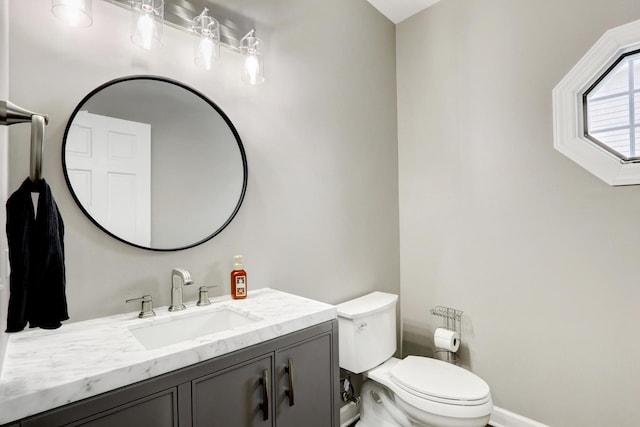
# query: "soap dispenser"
{"type": "Point", "coordinates": [238, 279]}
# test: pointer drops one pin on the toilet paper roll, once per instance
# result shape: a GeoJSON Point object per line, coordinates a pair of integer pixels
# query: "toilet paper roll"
{"type": "Point", "coordinates": [446, 339]}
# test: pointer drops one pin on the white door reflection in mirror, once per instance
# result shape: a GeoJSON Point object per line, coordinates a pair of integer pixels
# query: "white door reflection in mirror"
{"type": "Point", "coordinates": [109, 166]}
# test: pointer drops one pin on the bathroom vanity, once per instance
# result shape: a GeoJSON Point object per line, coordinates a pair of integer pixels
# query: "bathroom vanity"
{"type": "Point", "coordinates": [277, 367]}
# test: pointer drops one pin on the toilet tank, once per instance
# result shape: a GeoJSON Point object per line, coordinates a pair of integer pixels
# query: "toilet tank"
{"type": "Point", "coordinates": [367, 331]}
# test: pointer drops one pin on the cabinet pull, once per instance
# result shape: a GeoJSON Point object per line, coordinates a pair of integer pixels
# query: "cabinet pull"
{"type": "Point", "coordinates": [265, 394]}
{"type": "Point", "coordinates": [289, 370]}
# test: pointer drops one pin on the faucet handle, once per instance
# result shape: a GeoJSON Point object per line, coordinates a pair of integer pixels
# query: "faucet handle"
{"type": "Point", "coordinates": [203, 295]}
{"type": "Point", "coordinates": [147, 306]}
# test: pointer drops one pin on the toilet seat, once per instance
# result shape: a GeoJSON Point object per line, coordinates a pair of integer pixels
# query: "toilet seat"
{"type": "Point", "coordinates": [439, 381]}
{"type": "Point", "coordinates": [424, 405]}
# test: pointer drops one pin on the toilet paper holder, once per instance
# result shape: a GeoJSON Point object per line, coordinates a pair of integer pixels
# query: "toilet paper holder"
{"type": "Point", "coordinates": [452, 317]}
{"type": "Point", "coordinates": [452, 320]}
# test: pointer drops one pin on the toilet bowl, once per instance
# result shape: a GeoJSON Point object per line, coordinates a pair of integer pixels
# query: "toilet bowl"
{"type": "Point", "coordinates": [413, 392]}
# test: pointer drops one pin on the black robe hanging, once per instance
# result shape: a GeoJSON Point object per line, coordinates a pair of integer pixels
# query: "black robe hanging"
{"type": "Point", "coordinates": [36, 255]}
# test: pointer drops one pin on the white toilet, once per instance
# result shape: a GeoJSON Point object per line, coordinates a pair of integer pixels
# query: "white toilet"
{"type": "Point", "coordinates": [415, 391]}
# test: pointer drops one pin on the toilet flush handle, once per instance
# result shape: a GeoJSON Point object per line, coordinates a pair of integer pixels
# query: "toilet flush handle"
{"type": "Point", "coordinates": [363, 325]}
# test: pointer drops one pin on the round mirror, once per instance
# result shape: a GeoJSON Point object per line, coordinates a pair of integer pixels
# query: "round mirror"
{"type": "Point", "coordinates": [154, 163]}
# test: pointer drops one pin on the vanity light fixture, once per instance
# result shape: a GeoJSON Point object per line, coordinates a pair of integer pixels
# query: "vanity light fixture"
{"type": "Point", "coordinates": [147, 24]}
{"type": "Point", "coordinates": [253, 67]}
{"type": "Point", "coordinates": [207, 48]}
{"type": "Point", "coordinates": [148, 19]}
{"type": "Point", "coordinates": [75, 13]}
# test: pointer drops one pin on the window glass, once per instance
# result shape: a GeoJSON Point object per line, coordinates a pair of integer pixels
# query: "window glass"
{"type": "Point", "coordinates": [612, 108]}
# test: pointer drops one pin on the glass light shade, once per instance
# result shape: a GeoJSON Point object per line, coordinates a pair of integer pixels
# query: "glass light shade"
{"type": "Point", "coordinates": [207, 45]}
{"type": "Point", "coordinates": [75, 13]}
{"type": "Point", "coordinates": [253, 66]}
{"type": "Point", "coordinates": [147, 24]}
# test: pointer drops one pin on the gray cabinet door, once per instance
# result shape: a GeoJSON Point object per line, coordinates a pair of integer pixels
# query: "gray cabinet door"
{"type": "Point", "coordinates": [239, 396]}
{"type": "Point", "coordinates": [306, 369]}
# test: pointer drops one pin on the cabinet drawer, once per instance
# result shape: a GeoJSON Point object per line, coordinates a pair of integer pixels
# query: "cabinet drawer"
{"type": "Point", "coordinates": [158, 410]}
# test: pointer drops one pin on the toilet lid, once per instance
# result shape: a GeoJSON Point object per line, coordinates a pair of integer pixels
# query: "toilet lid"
{"type": "Point", "coordinates": [438, 379]}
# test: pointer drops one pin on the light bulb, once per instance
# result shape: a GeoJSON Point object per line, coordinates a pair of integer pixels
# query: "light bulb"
{"type": "Point", "coordinates": [207, 45]}
{"type": "Point", "coordinates": [75, 13]}
{"type": "Point", "coordinates": [71, 15]}
{"type": "Point", "coordinates": [252, 68]}
{"type": "Point", "coordinates": [146, 26]}
{"type": "Point", "coordinates": [207, 53]}
{"type": "Point", "coordinates": [144, 30]}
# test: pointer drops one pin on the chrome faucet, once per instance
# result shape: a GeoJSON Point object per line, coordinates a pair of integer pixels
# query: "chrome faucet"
{"type": "Point", "coordinates": [179, 279]}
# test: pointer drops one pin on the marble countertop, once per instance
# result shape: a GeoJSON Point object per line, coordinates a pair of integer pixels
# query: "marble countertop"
{"type": "Point", "coordinates": [45, 369]}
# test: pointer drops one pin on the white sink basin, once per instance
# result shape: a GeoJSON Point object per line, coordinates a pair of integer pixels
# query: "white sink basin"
{"type": "Point", "coordinates": [165, 332]}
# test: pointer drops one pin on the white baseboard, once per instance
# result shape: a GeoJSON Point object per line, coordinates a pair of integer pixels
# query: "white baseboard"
{"type": "Point", "coordinates": [503, 418]}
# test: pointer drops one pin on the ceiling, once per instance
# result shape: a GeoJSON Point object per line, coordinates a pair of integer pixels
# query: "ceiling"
{"type": "Point", "coordinates": [399, 10]}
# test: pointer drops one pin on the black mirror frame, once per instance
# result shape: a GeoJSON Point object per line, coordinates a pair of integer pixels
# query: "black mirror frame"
{"type": "Point", "coordinates": [193, 91]}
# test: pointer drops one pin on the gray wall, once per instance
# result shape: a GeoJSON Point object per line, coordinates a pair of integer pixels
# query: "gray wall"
{"type": "Point", "coordinates": [320, 217]}
{"type": "Point", "coordinates": [540, 254]}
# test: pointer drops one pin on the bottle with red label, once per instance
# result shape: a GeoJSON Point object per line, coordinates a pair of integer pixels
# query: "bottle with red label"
{"type": "Point", "coordinates": [238, 279]}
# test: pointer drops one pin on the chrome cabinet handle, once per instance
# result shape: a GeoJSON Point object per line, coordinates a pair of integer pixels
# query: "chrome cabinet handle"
{"type": "Point", "coordinates": [266, 394]}
{"type": "Point", "coordinates": [289, 370]}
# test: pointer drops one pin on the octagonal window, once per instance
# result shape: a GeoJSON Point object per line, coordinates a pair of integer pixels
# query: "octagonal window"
{"type": "Point", "coordinates": [612, 108]}
{"type": "Point", "coordinates": [596, 108]}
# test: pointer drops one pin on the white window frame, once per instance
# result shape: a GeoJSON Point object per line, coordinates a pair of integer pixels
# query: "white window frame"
{"type": "Point", "coordinates": [568, 120]}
